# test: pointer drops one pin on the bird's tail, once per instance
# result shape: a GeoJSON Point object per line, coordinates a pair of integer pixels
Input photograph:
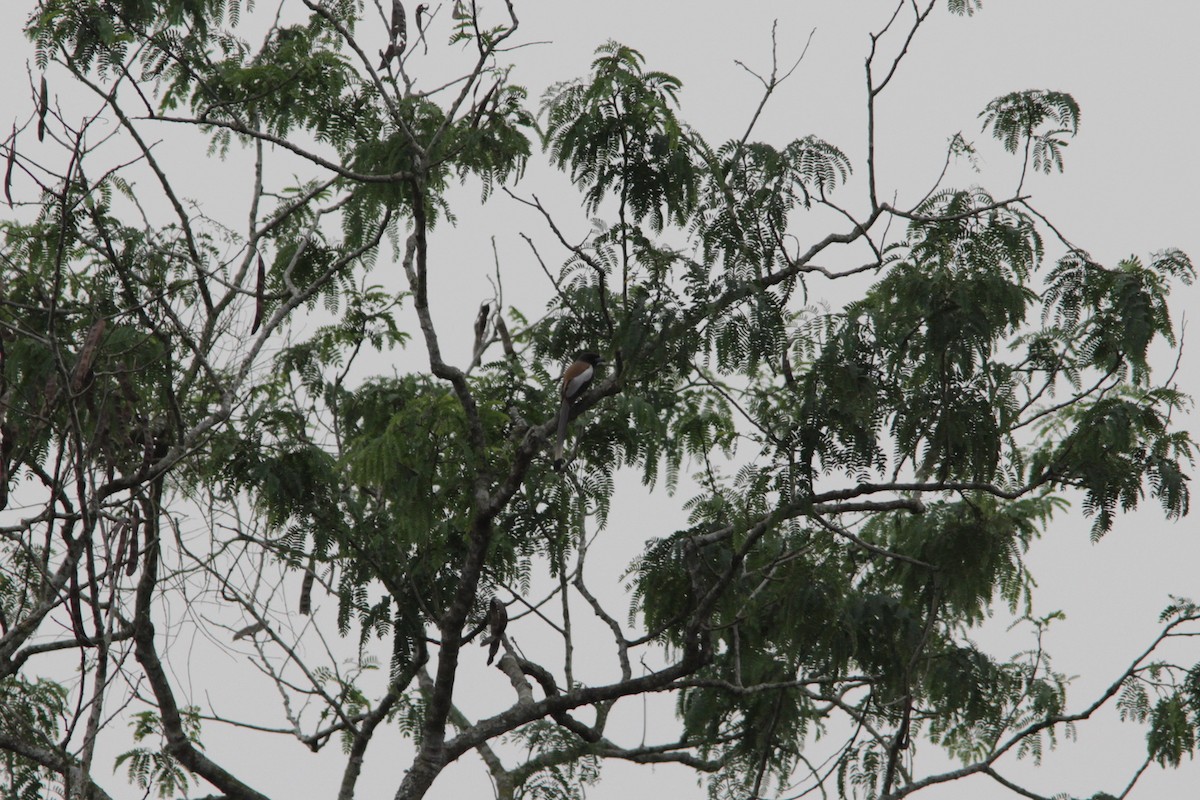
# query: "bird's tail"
{"type": "Point", "coordinates": [563, 414]}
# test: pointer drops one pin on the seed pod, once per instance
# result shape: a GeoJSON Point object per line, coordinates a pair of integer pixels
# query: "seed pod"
{"type": "Point", "coordinates": [87, 356]}
{"type": "Point", "coordinates": [258, 295]}
{"type": "Point", "coordinates": [118, 556]}
{"type": "Point", "coordinates": [8, 169]}
{"type": "Point", "coordinates": [306, 588]}
{"type": "Point", "coordinates": [43, 107]}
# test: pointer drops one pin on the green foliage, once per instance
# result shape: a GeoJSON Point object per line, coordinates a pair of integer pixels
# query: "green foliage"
{"type": "Point", "coordinates": [974, 546]}
{"type": "Point", "coordinates": [560, 779]}
{"type": "Point", "coordinates": [1018, 118]}
{"type": "Point", "coordinates": [1134, 702]}
{"type": "Point", "coordinates": [1172, 731]}
{"type": "Point", "coordinates": [964, 7]}
{"type": "Point", "coordinates": [866, 478]}
{"type": "Point", "coordinates": [295, 82]}
{"type": "Point", "coordinates": [618, 132]}
{"type": "Point", "coordinates": [100, 31]}
{"type": "Point", "coordinates": [748, 192]}
{"type": "Point", "coordinates": [158, 770]}
{"type": "Point", "coordinates": [89, 364]}
{"type": "Point", "coordinates": [30, 712]}
{"type": "Point", "coordinates": [1117, 312]}
{"type": "Point", "coordinates": [1113, 446]}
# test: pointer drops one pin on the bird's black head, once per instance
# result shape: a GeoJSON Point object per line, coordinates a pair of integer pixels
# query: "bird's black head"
{"type": "Point", "coordinates": [595, 359]}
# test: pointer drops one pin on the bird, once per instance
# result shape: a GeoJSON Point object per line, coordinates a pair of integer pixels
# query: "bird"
{"type": "Point", "coordinates": [250, 630]}
{"type": "Point", "coordinates": [481, 328]}
{"type": "Point", "coordinates": [575, 380]}
{"type": "Point", "coordinates": [398, 35]}
{"type": "Point", "coordinates": [497, 622]}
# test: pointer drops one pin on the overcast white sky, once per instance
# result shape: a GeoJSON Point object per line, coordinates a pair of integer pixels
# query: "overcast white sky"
{"type": "Point", "coordinates": [1129, 188]}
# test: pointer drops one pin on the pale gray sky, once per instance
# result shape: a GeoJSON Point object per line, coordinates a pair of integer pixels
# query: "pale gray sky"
{"type": "Point", "coordinates": [1129, 188]}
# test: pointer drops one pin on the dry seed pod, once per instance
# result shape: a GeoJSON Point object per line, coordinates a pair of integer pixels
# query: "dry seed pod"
{"type": "Point", "coordinates": [306, 588]}
{"type": "Point", "coordinates": [258, 295]}
{"type": "Point", "coordinates": [43, 107]}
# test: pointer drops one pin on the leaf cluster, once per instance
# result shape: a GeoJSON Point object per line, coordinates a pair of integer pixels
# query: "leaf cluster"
{"type": "Point", "coordinates": [618, 132]}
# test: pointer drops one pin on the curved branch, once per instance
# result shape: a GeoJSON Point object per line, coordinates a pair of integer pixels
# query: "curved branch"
{"type": "Point", "coordinates": [178, 743]}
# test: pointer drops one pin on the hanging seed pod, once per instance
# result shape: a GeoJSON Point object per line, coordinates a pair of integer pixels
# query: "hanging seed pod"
{"type": "Point", "coordinates": [75, 606]}
{"type": "Point", "coordinates": [43, 107]}
{"type": "Point", "coordinates": [118, 554]}
{"type": "Point", "coordinates": [131, 555]}
{"type": "Point", "coordinates": [258, 295]}
{"type": "Point", "coordinates": [8, 168]}
{"type": "Point", "coordinates": [81, 376]}
{"type": "Point", "coordinates": [306, 588]}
